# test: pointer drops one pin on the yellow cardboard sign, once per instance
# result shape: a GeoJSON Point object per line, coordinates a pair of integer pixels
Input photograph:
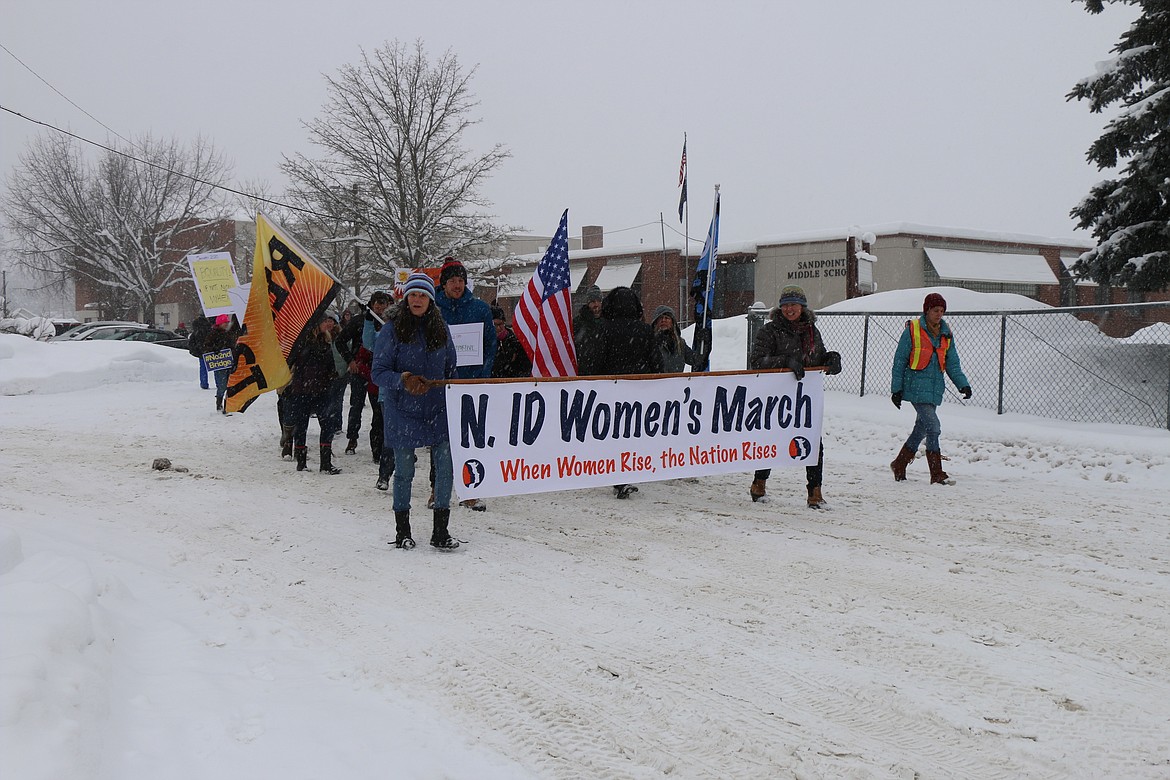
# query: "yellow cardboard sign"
{"type": "Point", "coordinates": [214, 275]}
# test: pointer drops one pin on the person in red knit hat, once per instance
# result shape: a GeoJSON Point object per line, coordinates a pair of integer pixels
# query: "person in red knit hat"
{"type": "Point", "coordinates": [926, 351]}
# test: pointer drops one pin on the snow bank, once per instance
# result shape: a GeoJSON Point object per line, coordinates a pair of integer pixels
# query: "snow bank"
{"type": "Point", "coordinates": [28, 366]}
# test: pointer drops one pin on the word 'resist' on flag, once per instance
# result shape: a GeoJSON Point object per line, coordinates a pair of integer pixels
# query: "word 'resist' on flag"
{"type": "Point", "coordinates": [544, 314]}
{"type": "Point", "coordinates": [682, 179]}
{"type": "Point", "coordinates": [703, 291]}
{"type": "Point", "coordinates": [289, 293]}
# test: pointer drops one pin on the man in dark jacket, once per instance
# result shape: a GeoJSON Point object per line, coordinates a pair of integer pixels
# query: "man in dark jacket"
{"type": "Point", "coordinates": [348, 343]}
{"type": "Point", "coordinates": [511, 359]}
{"type": "Point", "coordinates": [200, 327]}
{"type": "Point", "coordinates": [459, 306]}
{"type": "Point", "coordinates": [586, 322]}
{"type": "Point", "coordinates": [622, 344]}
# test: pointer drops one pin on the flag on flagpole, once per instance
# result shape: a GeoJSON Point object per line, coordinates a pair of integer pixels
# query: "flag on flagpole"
{"type": "Point", "coordinates": [289, 293]}
{"type": "Point", "coordinates": [544, 314]}
{"type": "Point", "coordinates": [703, 291]}
{"type": "Point", "coordinates": [682, 179]}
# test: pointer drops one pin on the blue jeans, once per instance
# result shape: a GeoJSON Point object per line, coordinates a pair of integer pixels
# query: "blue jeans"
{"type": "Point", "coordinates": [202, 374]}
{"type": "Point", "coordinates": [221, 380]}
{"type": "Point", "coordinates": [404, 475]}
{"type": "Point", "coordinates": [926, 426]}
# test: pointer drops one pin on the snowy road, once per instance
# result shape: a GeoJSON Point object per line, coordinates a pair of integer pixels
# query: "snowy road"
{"type": "Point", "coordinates": [1012, 625]}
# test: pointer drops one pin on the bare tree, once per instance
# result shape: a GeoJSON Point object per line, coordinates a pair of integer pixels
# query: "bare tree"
{"type": "Point", "coordinates": [395, 165]}
{"type": "Point", "coordinates": [121, 226]}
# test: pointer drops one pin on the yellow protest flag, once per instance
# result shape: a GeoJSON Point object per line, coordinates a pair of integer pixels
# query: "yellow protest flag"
{"type": "Point", "coordinates": [290, 291]}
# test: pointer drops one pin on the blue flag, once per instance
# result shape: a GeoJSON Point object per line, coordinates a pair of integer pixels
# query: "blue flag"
{"type": "Point", "coordinates": [703, 291]}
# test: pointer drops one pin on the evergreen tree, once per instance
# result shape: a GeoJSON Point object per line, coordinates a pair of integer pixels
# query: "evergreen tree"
{"type": "Point", "coordinates": [1130, 215]}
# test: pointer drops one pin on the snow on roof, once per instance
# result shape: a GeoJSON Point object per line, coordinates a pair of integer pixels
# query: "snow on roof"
{"type": "Point", "coordinates": [957, 298]}
{"type": "Point", "coordinates": [695, 248]}
{"type": "Point", "coordinates": [911, 228]}
{"type": "Point", "coordinates": [617, 275]}
{"type": "Point", "coordinates": [990, 266]}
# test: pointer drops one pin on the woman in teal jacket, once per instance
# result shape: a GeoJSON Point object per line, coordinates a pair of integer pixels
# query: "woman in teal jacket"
{"type": "Point", "coordinates": [926, 351]}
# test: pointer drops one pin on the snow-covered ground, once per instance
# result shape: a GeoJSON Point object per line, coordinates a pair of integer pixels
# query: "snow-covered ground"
{"type": "Point", "coordinates": [243, 620]}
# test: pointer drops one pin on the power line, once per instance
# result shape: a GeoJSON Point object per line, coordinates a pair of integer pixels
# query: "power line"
{"type": "Point", "coordinates": [225, 188]}
{"type": "Point", "coordinates": [26, 66]}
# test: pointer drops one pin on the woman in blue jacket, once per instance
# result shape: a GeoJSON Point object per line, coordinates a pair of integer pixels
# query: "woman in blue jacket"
{"type": "Point", "coordinates": [926, 351]}
{"type": "Point", "coordinates": [413, 354]}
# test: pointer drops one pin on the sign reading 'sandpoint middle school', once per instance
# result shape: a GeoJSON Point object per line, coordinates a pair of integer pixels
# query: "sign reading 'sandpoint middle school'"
{"type": "Point", "coordinates": [520, 437]}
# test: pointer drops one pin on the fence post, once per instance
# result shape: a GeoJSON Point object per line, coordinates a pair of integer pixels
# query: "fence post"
{"type": "Point", "coordinates": [1002, 349]}
{"type": "Point", "coordinates": [864, 354]}
{"type": "Point", "coordinates": [755, 320]}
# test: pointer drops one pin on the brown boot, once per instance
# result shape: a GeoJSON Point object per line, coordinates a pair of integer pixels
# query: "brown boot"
{"type": "Point", "coordinates": [905, 456]}
{"type": "Point", "coordinates": [814, 498]}
{"type": "Point", "coordinates": [937, 475]}
{"type": "Point", "coordinates": [759, 490]}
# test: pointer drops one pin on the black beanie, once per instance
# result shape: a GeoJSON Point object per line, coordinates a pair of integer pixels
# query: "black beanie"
{"type": "Point", "coordinates": [451, 267]}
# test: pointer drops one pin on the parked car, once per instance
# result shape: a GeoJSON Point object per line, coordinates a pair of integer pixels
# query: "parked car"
{"type": "Point", "coordinates": [63, 324]}
{"type": "Point", "coordinates": [166, 338]}
{"type": "Point", "coordinates": [82, 331]}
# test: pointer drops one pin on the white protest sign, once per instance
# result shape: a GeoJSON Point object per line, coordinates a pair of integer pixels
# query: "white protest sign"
{"type": "Point", "coordinates": [468, 340]}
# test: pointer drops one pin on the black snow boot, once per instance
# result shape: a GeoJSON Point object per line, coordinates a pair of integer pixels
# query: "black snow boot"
{"type": "Point", "coordinates": [402, 538]}
{"type": "Point", "coordinates": [302, 456]}
{"type": "Point", "coordinates": [327, 460]}
{"type": "Point", "coordinates": [440, 537]}
{"type": "Point", "coordinates": [286, 432]}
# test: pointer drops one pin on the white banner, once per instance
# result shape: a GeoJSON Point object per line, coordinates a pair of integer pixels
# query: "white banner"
{"type": "Point", "coordinates": [509, 438]}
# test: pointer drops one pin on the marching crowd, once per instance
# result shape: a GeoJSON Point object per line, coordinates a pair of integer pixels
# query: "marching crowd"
{"type": "Point", "coordinates": [398, 355]}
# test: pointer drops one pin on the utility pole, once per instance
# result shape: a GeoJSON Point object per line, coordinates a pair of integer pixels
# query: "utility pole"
{"type": "Point", "coordinates": [851, 290]}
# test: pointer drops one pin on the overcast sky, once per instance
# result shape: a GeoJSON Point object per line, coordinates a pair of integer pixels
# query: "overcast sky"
{"type": "Point", "coordinates": [811, 115]}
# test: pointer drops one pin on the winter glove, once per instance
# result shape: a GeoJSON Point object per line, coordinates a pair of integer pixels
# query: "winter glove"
{"type": "Point", "coordinates": [795, 365]}
{"type": "Point", "coordinates": [833, 363]}
{"type": "Point", "coordinates": [415, 384]}
{"type": "Point", "coordinates": [897, 399]}
{"type": "Point", "coordinates": [966, 392]}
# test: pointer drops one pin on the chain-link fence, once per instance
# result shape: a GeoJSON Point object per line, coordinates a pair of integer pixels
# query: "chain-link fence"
{"type": "Point", "coordinates": [1049, 362]}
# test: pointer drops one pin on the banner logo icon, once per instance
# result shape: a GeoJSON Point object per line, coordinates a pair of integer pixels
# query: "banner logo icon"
{"type": "Point", "coordinates": [799, 448]}
{"type": "Point", "coordinates": [473, 473]}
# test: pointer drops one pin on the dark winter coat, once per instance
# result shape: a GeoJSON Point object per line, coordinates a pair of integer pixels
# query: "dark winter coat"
{"type": "Point", "coordinates": [779, 341]}
{"type": "Point", "coordinates": [623, 343]}
{"type": "Point", "coordinates": [217, 339]}
{"type": "Point", "coordinates": [511, 359]}
{"type": "Point", "coordinates": [349, 340]}
{"type": "Point", "coordinates": [926, 386]}
{"type": "Point", "coordinates": [585, 324]}
{"type": "Point", "coordinates": [413, 420]}
{"type": "Point", "coordinates": [314, 369]}
{"type": "Point", "coordinates": [465, 310]}
{"type": "Point", "coordinates": [674, 353]}
{"type": "Point", "coordinates": [200, 327]}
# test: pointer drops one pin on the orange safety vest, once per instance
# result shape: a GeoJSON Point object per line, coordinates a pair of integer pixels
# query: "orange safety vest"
{"type": "Point", "coordinates": [921, 347]}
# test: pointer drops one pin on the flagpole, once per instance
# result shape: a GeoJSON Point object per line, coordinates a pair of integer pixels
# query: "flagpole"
{"type": "Point", "coordinates": [686, 210]}
{"type": "Point", "coordinates": [662, 228]}
{"type": "Point", "coordinates": [711, 268]}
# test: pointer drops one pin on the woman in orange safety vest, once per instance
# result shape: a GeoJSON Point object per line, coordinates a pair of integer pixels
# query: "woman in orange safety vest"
{"type": "Point", "coordinates": [926, 351]}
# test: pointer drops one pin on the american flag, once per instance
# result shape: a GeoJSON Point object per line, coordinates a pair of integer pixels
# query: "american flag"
{"type": "Point", "coordinates": [544, 314]}
{"type": "Point", "coordinates": [682, 179]}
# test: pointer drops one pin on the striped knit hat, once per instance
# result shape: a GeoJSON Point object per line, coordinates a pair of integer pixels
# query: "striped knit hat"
{"type": "Point", "coordinates": [419, 283]}
{"type": "Point", "coordinates": [793, 294]}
